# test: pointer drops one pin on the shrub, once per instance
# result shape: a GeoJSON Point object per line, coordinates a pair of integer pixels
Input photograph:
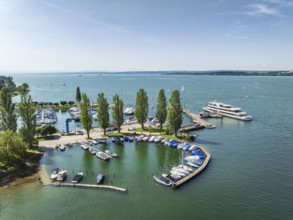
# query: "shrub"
{"type": "Point", "coordinates": [63, 102]}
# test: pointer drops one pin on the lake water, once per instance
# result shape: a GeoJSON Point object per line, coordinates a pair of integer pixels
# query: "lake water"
{"type": "Point", "coordinates": [249, 177]}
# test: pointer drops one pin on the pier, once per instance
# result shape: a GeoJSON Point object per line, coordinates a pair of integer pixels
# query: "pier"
{"type": "Point", "coordinates": [191, 127]}
{"type": "Point", "coordinates": [92, 186]}
{"type": "Point", "coordinates": [197, 118]}
{"type": "Point", "coordinates": [196, 172]}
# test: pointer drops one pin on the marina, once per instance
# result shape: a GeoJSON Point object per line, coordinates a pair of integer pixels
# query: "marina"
{"type": "Point", "coordinates": [195, 172]}
{"type": "Point", "coordinates": [233, 184]}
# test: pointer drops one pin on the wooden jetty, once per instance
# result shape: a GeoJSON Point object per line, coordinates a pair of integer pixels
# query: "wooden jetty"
{"type": "Point", "coordinates": [191, 127]}
{"type": "Point", "coordinates": [197, 118]}
{"type": "Point", "coordinates": [103, 156]}
{"type": "Point", "coordinates": [92, 186]}
{"type": "Point", "coordinates": [196, 172]}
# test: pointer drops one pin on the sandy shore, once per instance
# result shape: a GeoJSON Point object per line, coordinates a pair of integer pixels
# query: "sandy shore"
{"type": "Point", "coordinates": [94, 133]}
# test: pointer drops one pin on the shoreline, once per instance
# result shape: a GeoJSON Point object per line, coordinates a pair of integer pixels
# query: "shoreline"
{"type": "Point", "coordinates": [41, 177]}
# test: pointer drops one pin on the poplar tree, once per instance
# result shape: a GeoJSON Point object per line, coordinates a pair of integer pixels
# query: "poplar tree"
{"type": "Point", "coordinates": [117, 111]}
{"type": "Point", "coordinates": [7, 116]}
{"type": "Point", "coordinates": [28, 117]}
{"type": "Point", "coordinates": [85, 116]}
{"type": "Point", "coordinates": [78, 95]}
{"type": "Point", "coordinates": [161, 113]}
{"type": "Point", "coordinates": [175, 112]}
{"type": "Point", "coordinates": [103, 111]}
{"type": "Point", "coordinates": [141, 107]}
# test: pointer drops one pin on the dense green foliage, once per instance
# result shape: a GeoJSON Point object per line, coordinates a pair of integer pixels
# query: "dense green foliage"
{"type": "Point", "coordinates": [141, 107]}
{"type": "Point", "coordinates": [117, 111]}
{"type": "Point", "coordinates": [103, 111]}
{"type": "Point", "coordinates": [12, 149]}
{"type": "Point", "coordinates": [22, 88]}
{"type": "Point", "coordinates": [175, 112]}
{"type": "Point", "coordinates": [78, 95]}
{"type": "Point", "coordinates": [7, 81]}
{"type": "Point", "coordinates": [26, 111]}
{"type": "Point", "coordinates": [7, 116]}
{"type": "Point", "coordinates": [46, 130]}
{"type": "Point", "coordinates": [161, 113]}
{"type": "Point", "coordinates": [85, 116]}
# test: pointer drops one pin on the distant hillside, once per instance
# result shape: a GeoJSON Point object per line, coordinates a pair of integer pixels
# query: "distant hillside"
{"type": "Point", "coordinates": [232, 73]}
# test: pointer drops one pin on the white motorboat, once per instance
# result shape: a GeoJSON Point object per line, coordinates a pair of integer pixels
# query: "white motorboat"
{"type": "Point", "coordinates": [184, 167]}
{"type": "Point", "coordinates": [54, 173]}
{"type": "Point", "coordinates": [84, 146]}
{"type": "Point", "coordinates": [62, 147]}
{"type": "Point", "coordinates": [180, 170]}
{"type": "Point", "coordinates": [128, 111]}
{"type": "Point", "coordinates": [177, 173]}
{"type": "Point", "coordinates": [111, 153]}
{"type": "Point", "coordinates": [181, 145]}
{"type": "Point", "coordinates": [62, 175]}
{"type": "Point", "coordinates": [158, 139]}
{"type": "Point", "coordinates": [152, 139]}
{"type": "Point", "coordinates": [162, 180]}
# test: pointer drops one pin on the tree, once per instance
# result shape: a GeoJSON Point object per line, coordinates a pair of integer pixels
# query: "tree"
{"type": "Point", "coordinates": [48, 129]}
{"type": "Point", "coordinates": [7, 115]}
{"type": "Point", "coordinates": [26, 111]}
{"type": "Point", "coordinates": [78, 95]}
{"type": "Point", "coordinates": [175, 112]}
{"type": "Point", "coordinates": [24, 88]}
{"type": "Point", "coordinates": [161, 113]}
{"type": "Point", "coordinates": [12, 148]}
{"type": "Point", "coordinates": [85, 116]}
{"type": "Point", "coordinates": [103, 111]}
{"type": "Point", "coordinates": [117, 111]}
{"type": "Point", "coordinates": [141, 107]}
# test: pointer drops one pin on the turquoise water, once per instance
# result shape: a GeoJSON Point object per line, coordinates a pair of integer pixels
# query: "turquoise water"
{"type": "Point", "coordinates": [249, 177]}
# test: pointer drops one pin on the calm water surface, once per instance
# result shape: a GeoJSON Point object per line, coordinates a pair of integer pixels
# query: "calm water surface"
{"type": "Point", "coordinates": [249, 177]}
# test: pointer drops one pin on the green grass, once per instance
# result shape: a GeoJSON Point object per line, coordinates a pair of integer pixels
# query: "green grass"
{"type": "Point", "coordinates": [151, 130]}
{"type": "Point", "coordinates": [49, 137]}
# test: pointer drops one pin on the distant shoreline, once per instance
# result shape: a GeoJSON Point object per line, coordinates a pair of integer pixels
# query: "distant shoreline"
{"type": "Point", "coordinates": [175, 72]}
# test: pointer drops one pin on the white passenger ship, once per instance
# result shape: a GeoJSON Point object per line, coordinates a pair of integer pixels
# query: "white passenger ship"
{"type": "Point", "coordinates": [227, 110]}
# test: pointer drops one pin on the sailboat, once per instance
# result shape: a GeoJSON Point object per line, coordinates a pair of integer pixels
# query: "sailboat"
{"type": "Point", "coordinates": [182, 89]}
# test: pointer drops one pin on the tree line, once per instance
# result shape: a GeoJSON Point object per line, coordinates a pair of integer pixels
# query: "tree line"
{"type": "Point", "coordinates": [171, 113]}
{"type": "Point", "coordinates": [13, 143]}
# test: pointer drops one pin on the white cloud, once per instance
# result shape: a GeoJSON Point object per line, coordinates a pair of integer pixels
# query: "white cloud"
{"type": "Point", "coordinates": [261, 9]}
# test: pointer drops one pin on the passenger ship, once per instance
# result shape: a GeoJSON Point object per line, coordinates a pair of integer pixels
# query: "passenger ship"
{"type": "Point", "coordinates": [227, 110]}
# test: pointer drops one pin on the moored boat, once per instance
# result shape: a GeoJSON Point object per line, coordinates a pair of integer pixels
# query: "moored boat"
{"type": "Point", "coordinates": [100, 178]}
{"type": "Point", "coordinates": [62, 147]}
{"type": "Point", "coordinates": [102, 156]}
{"type": "Point", "coordinates": [192, 164]}
{"type": "Point", "coordinates": [162, 180]}
{"type": "Point", "coordinates": [111, 153]}
{"type": "Point", "coordinates": [84, 146]}
{"type": "Point", "coordinates": [130, 139]}
{"type": "Point", "coordinates": [54, 173]}
{"type": "Point", "coordinates": [61, 175]}
{"type": "Point", "coordinates": [184, 167]}
{"type": "Point", "coordinates": [77, 177]}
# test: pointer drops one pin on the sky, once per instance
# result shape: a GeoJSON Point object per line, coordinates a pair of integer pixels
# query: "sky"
{"type": "Point", "coordinates": [145, 35]}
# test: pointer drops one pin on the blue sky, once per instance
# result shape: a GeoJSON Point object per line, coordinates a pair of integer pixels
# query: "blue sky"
{"type": "Point", "coordinates": [130, 35]}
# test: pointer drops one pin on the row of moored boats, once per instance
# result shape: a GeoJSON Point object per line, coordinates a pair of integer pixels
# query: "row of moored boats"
{"type": "Point", "coordinates": [61, 175]}
{"type": "Point", "coordinates": [193, 162]}
{"type": "Point", "coordinates": [107, 155]}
